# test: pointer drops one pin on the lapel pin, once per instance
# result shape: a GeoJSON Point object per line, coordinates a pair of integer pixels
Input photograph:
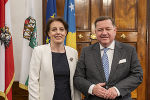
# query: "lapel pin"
{"type": "Point", "coordinates": [71, 59]}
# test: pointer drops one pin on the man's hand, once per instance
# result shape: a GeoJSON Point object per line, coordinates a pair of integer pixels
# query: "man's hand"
{"type": "Point", "coordinates": [111, 93]}
{"type": "Point", "coordinates": [99, 91]}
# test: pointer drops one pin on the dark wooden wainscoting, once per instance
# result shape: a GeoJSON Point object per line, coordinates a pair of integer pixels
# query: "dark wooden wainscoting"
{"type": "Point", "coordinates": [18, 93]}
{"type": "Point", "coordinates": [1, 98]}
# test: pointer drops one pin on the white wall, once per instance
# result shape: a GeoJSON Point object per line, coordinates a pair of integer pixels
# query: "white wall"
{"type": "Point", "coordinates": [17, 10]}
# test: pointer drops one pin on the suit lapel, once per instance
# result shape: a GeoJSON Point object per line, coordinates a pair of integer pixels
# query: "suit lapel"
{"type": "Point", "coordinates": [49, 62]}
{"type": "Point", "coordinates": [97, 59]}
{"type": "Point", "coordinates": [72, 64]}
{"type": "Point", "coordinates": [48, 67]}
{"type": "Point", "coordinates": [116, 58]}
{"type": "Point", "coordinates": [69, 57]}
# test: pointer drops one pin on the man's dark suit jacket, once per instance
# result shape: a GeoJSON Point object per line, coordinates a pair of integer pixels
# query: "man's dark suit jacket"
{"type": "Point", "coordinates": [125, 76]}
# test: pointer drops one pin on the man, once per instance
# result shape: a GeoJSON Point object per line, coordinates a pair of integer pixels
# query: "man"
{"type": "Point", "coordinates": [107, 69]}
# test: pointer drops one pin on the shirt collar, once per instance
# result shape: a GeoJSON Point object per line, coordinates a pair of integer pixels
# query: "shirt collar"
{"type": "Point", "coordinates": [111, 46]}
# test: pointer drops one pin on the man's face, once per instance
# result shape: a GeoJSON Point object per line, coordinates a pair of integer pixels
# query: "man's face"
{"type": "Point", "coordinates": [105, 32]}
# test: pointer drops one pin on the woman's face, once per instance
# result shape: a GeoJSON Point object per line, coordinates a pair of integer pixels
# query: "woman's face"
{"type": "Point", "coordinates": [57, 32]}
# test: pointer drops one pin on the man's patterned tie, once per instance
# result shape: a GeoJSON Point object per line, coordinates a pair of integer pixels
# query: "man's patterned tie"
{"type": "Point", "coordinates": [105, 63]}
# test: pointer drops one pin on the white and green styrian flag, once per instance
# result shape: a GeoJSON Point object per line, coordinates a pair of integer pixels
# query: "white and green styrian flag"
{"type": "Point", "coordinates": [29, 42]}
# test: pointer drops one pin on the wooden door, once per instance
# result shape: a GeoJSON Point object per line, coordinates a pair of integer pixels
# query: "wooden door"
{"type": "Point", "coordinates": [148, 50]}
{"type": "Point", "coordinates": [130, 19]}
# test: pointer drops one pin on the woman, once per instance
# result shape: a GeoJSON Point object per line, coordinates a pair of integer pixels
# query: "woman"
{"type": "Point", "coordinates": [53, 65]}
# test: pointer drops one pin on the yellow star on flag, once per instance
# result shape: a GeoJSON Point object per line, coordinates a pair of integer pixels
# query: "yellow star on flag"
{"type": "Point", "coordinates": [47, 40]}
{"type": "Point", "coordinates": [53, 15]}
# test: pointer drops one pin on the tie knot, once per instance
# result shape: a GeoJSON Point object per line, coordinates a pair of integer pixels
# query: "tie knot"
{"type": "Point", "coordinates": [106, 49]}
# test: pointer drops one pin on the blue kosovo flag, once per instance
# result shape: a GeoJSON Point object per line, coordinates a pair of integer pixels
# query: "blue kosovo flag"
{"type": "Point", "coordinates": [51, 12]}
{"type": "Point", "coordinates": [69, 16]}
